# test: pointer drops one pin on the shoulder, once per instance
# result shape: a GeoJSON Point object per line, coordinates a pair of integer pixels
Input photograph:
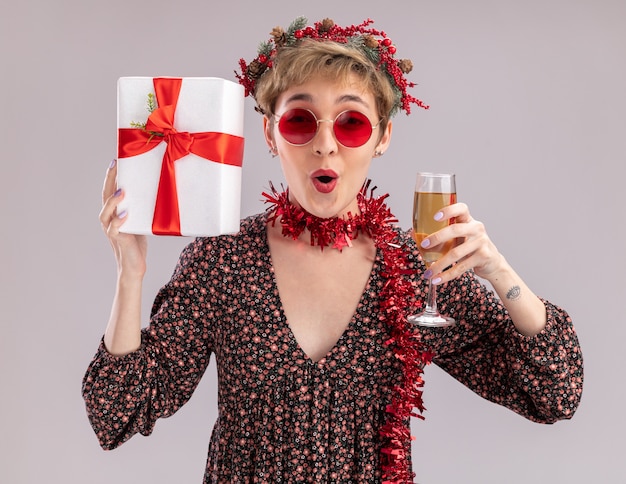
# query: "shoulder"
{"type": "Point", "coordinates": [250, 228]}
{"type": "Point", "coordinates": [213, 251]}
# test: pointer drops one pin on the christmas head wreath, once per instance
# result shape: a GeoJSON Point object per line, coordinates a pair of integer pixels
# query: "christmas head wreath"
{"type": "Point", "coordinates": [373, 43]}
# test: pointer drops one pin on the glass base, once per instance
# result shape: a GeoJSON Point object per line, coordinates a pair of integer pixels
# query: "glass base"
{"type": "Point", "coordinates": [431, 320]}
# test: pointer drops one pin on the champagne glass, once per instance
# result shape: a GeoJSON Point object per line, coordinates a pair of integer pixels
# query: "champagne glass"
{"type": "Point", "coordinates": [433, 191]}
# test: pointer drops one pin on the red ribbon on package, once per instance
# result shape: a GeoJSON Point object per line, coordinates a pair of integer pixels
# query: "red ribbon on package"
{"type": "Point", "coordinates": [216, 147]}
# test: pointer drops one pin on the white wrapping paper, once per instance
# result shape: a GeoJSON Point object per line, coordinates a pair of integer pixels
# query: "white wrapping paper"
{"type": "Point", "coordinates": [209, 193]}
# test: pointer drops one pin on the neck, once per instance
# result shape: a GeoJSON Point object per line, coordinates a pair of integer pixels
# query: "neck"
{"type": "Point", "coordinates": [305, 238]}
{"type": "Point", "coordinates": [336, 232]}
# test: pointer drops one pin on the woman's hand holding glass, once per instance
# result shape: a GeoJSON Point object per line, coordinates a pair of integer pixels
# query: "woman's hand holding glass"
{"type": "Point", "coordinates": [451, 242]}
{"type": "Point", "coordinates": [473, 247]}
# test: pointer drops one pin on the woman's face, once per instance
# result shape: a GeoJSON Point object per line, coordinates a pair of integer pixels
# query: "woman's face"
{"type": "Point", "coordinates": [324, 176]}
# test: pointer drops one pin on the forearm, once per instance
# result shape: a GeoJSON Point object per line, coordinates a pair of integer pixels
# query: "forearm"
{"type": "Point", "coordinates": [526, 310]}
{"type": "Point", "coordinates": [536, 375]}
{"type": "Point", "coordinates": [123, 333]}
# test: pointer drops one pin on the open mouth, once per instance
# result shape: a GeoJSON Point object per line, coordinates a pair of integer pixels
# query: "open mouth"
{"type": "Point", "coordinates": [324, 181]}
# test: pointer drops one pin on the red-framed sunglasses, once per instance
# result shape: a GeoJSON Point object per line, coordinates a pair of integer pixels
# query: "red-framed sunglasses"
{"type": "Point", "coordinates": [299, 126]}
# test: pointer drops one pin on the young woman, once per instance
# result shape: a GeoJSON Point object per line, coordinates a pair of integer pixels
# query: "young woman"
{"type": "Point", "coordinates": [305, 308]}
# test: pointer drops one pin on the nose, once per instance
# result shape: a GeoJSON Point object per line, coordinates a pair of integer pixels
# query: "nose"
{"type": "Point", "coordinates": [324, 142]}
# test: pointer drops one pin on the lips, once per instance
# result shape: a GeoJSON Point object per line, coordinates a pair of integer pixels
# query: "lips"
{"type": "Point", "coordinates": [324, 181]}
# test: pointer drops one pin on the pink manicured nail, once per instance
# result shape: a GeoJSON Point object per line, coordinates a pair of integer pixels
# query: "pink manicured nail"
{"type": "Point", "coordinates": [112, 164]}
{"type": "Point", "coordinates": [122, 214]}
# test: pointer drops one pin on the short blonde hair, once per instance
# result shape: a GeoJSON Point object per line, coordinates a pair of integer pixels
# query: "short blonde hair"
{"type": "Point", "coordinates": [295, 65]}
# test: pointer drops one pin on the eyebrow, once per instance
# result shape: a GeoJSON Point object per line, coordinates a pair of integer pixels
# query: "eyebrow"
{"type": "Point", "coordinates": [352, 98]}
{"type": "Point", "coordinates": [342, 99]}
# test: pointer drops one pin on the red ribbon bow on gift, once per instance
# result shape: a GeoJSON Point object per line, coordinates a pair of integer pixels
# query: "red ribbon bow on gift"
{"type": "Point", "coordinates": [216, 147]}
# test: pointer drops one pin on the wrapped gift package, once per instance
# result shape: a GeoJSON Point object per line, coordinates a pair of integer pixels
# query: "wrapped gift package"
{"type": "Point", "coordinates": [180, 151]}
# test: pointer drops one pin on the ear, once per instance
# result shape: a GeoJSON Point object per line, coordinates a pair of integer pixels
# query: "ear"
{"type": "Point", "coordinates": [385, 139]}
{"type": "Point", "coordinates": [269, 135]}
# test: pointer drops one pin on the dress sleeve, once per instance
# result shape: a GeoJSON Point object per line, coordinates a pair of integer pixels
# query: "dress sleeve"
{"type": "Point", "coordinates": [127, 394]}
{"type": "Point", "coordinates": [539, 377]}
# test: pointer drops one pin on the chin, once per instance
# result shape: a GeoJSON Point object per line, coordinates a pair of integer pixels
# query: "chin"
{"type": "Point", "coordinates": [333, 209]}
{"type": "Point", "coordinates": [326, 205]}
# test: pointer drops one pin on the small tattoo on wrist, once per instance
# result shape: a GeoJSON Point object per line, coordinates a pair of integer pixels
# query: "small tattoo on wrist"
{"type": "Point", "coordinates": [514, 293]}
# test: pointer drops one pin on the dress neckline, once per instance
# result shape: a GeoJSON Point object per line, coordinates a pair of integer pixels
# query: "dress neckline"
{"type": "Point", "coordinates": [295, 346]}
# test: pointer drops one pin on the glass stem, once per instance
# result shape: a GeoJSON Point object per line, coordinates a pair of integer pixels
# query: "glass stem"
{"type": "Point", "coordinates": [431, 300]}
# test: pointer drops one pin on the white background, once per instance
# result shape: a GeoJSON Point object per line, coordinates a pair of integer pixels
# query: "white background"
{"type": "Point", "coordinates": [528, 108]}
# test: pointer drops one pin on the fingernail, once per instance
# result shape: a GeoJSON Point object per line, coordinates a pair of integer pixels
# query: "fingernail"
{"type": "Point", "coordinates": [428, 274]}
{"type": "Point", "coordinates": [436, 280]}
{"type": "Point", "coordinates": [122, 214]}
{"type": "Point", "coordinates": [438, 216]}
{"type": "Point", "coordinates": [117, 192]}
{"type": "Point", "coordinates": [425, 243]}
{"type": "Point", "coordinates": [112, 164]}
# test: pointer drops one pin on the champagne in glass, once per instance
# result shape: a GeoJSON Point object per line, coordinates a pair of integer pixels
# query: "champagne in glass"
{"type": "Point", "coordinates": [432, 192]}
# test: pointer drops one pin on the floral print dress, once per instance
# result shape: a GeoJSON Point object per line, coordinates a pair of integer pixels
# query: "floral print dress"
{"type": "Point", "coordinates": [285, 418]}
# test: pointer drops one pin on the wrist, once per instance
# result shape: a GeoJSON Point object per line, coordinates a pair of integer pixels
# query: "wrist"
{"type": "Point", "coordinates": [501, 272]}
{"type": "Point", "coordinates": [130, 277]}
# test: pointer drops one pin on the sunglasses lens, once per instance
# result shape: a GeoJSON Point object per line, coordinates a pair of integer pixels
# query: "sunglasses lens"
{"type": "Point", "coordinates": [297, 126]}
{"type": "Point", "coordinates": [352, 129]}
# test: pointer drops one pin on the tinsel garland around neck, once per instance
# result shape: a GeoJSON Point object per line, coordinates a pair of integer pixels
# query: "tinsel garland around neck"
{"type": "Point", "coordinates": [396, 297]}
